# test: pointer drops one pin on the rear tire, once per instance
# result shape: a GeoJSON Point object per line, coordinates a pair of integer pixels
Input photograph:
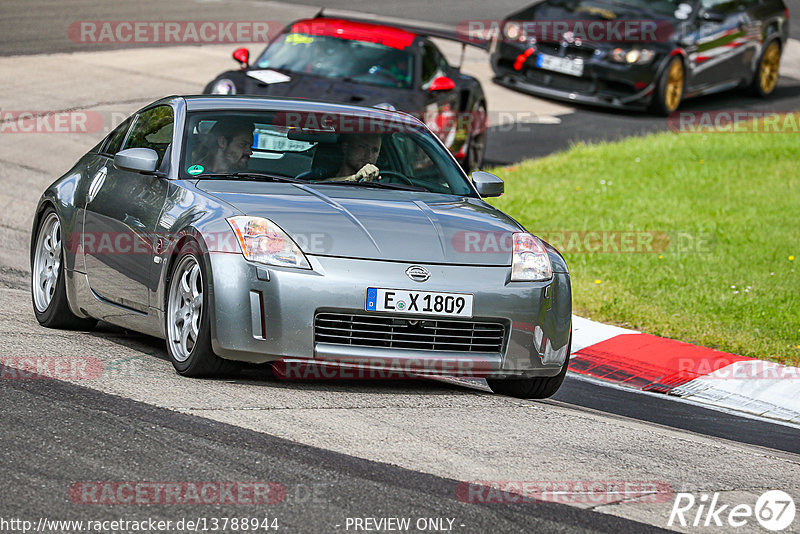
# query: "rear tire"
{"type": "Point", "coordinates": [187, 317]}
{"type": "Point", "coordinates": [48, 282]}
{"type": "Point", "coordinates": [540, 387]}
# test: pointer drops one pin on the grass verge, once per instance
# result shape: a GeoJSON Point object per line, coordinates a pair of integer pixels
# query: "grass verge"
{"type": "Point", "coordinates": [694, 237]}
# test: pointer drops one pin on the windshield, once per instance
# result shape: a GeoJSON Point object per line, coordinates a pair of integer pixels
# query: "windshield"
{"type": "Point", "coordinates": [333, 57]}
{"type": "Point", "coordinates": [319, 148]}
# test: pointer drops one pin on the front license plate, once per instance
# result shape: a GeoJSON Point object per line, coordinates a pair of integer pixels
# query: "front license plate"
{"type": "Point", "coordinates": [564, 65]}
{"type": "Point", "coordinates": [419, 302]}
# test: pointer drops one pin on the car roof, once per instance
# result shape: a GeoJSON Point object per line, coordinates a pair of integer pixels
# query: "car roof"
{"type": "Point", "coordinates": [355, 31]}
{"type": "Point", "coordinates": [260, 103]}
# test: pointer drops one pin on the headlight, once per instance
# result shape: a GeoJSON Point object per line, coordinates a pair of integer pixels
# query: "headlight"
{"type": "Point", "coordinates": [385, 105]}
{"type": "Point", "coordinates": [530, 261]}
{"type": "Point", "coordinates": [639, 56]}
{"type": "Point", "coordinates": [513, 31]}
{"type": "Point", "coordinates": [264, 242]}
{"type": "Point", "coordinates": [224, 87]}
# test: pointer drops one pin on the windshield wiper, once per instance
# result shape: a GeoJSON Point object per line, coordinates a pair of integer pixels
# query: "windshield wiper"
{"type": "Point", "coordinates": [251, 176]}
{"type": "Point", "coordinates": [376, 185]}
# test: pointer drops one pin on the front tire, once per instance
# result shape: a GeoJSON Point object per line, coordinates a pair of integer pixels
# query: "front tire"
{"type": "Point", "coordinates": [766, 76]}
{"type": "Point", "coordinates": [188, 323]}
{"type": "Point", "coordinates": [540, 387]}
{"type": "Point", "coordinates": [48, 282]}
{"type": "Point", "coordinates": [669, 91]}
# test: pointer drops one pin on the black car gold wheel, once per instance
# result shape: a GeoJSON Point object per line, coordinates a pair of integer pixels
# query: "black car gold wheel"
{"type": "Point", "coordinates": [669, 91]}
{"type": "Point", "coordinates": [767, 75]}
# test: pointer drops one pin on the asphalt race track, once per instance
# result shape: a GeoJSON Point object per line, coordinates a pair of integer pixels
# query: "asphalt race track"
{"type": "Point", "coordinates": [323, 487]}
{"type": "Point", "coordinates": [354, 449]}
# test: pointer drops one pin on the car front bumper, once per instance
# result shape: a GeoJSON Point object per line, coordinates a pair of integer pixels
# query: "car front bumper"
{"type": "Point", "coordinates": [603, 83]}
{"type": "Point", "coordinates": [261, 314]}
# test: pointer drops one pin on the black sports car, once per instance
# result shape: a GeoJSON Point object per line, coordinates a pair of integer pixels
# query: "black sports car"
{"type": "Point", "coordinates": [362, 63]}
{"type": "Point", "coordinates": [641, 53]}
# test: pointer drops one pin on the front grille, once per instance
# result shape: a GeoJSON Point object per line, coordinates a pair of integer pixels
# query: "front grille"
{"type": "Point", "coordinates": [408, 333]}
{"type": "Point", "coordinates": [571, 51]}
{"type": "Point", "coordinates": [563, 82]}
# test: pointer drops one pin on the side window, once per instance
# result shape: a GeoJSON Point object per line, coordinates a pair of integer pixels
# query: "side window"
{"type": "Point", "coordinates": [152, 129]}
{"type": "Point", "coordinates": [417, 164]}
{"type": "Point", "coordinates": [433, 64]}
{"type": "Point", "coordinates": [114, 142]}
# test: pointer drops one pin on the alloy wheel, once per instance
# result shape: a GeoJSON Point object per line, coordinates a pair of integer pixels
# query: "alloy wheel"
{"type": "Point", "coordinates": [674, 88]}
{"type": "Point", "coordinates": [185, 308]}
{"type": "Point", "coordinates": [47, 262]}
{"type": "Point", "coordinates": [768, 73]}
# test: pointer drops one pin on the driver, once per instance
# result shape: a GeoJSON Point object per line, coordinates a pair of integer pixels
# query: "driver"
{"type": "Point", "coordinates": [360, 155]}
{"type": "Point", "coordinates": [230, 146]}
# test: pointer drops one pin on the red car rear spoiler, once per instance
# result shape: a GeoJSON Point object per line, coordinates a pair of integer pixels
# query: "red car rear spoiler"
{"type": "Point", "coordinates": [440, 31]}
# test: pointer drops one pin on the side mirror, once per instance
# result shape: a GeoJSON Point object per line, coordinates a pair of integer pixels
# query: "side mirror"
{"type": "Point", "coordinates": [136, 160]}
{"type": "Point", "coordinates": [442, 83]}
{"type": "Point", "coordinates": [712, 16]}
{"type": "Point", "coordinates": [487, 184]}
{"type": "Point", "coordinates": [242, 55]}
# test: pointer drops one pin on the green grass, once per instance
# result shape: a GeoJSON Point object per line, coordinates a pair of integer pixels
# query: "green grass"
{"type": "Point", "coordinates": [738, 192]}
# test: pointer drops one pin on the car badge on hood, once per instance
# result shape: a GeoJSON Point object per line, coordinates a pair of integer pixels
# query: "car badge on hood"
{"type": "Point", "coordinates": [417, 273]}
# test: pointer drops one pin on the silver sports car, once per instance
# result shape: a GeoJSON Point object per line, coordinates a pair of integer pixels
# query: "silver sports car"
{"type": "Point", "coordinates": [308, 235]}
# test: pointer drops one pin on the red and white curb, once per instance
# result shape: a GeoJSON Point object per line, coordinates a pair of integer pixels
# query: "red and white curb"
{"type": "Point", "coordinates": [707, 376]}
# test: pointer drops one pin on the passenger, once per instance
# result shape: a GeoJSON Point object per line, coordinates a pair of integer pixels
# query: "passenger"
{"type": "Point", "coordinates": [360, 155]}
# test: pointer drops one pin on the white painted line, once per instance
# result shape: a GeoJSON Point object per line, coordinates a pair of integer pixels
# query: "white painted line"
{"type": "Point", "coordinates": [763, 388]}
{"type": "Point", "coordinates": [586, 332]}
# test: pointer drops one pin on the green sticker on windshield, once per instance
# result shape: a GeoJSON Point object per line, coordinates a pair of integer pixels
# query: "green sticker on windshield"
{"type": "Point", "coordinates": [195, 169]}
{"type": "Point", "coordinates": [299, 38]}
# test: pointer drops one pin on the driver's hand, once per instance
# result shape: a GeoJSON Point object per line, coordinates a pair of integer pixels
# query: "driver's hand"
{"type": "Point", "coordinates": [367, 173]}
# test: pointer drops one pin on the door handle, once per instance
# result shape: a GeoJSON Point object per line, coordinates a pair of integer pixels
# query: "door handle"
{"type": "Point", "coordinates": [97, 183]}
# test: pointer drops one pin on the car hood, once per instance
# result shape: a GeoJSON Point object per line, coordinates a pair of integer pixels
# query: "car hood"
{"type": "Point", "coordinates": [576, 10]}
{"type": "Point", "coordinates": [615, 15]}
{"type": "Point", "coordinates": [351, 222]}
{"type": "Point", "coordinates": [602, 24]}
{"type": "Point", "coordinates": [301, 85]}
